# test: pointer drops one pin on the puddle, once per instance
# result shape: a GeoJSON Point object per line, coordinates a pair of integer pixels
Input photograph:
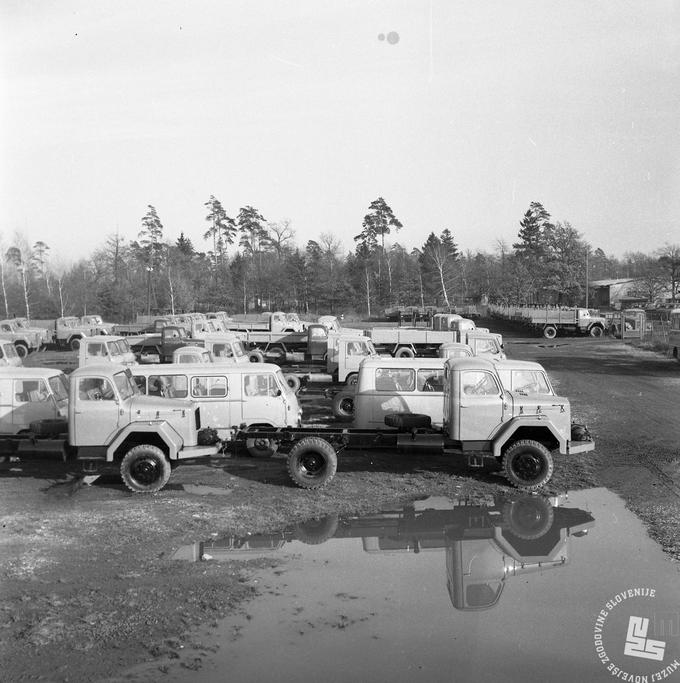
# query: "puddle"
{"type": "Point", "coordinates": [497, 589]}
{"type": "Point", "coordinates": [200, 490]}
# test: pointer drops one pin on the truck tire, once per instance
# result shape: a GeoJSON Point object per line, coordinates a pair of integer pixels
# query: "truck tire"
{"type": "Point", "coordinates": [351, 379]}
{"type": "Point", "coordinates": [145, 469]}
{"type": "Point", "coordinates": [528, 465]}
{"type": "Point", "coordinates": [343, 406]}
{"type": "Point", "coordinates": [74, 343]}
{"type": "Point", "coordinates": [256, 356]}
{"type": "Point", "coordinates": [596, 331]}
{"type": "Point", "coordinates": [528, 517]}
{"type": "Point", "coordinates": [549, 331]}
{"type": "Point", "coordinates": [312, 463]}
{"type": "Point", "coordinates": [261, 448]}
{"type": "Point", "coordinates": [404, 352]}
{"type": "Point", "coordinates": [22, 349]}
{"type": "Point", "coordinates": [317, 531]}
{"type": "Point", "coordinates": [293, 382]}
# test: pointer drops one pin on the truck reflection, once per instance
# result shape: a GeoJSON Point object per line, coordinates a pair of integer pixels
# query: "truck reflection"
{"type": "Point", "coordinates": [486, 541]}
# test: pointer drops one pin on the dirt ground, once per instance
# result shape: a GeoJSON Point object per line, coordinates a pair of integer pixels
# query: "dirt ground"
{"type": "Point", "coordinates": [87, 583]}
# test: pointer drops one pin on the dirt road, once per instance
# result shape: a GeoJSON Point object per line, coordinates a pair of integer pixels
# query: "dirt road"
{"type": "Point", "coordinates": [88, 587]}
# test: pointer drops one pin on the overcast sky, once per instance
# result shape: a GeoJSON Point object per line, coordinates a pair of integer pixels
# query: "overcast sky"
{"type": "Point", "coordinates": [301, 110]}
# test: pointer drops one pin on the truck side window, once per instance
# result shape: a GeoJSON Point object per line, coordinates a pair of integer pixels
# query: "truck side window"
{"type": "Point", "coordinates": [96, 350]}
{"type": "Point", "coordinates": [30, 391]}
{"type": "Point", "coordinates": [209, 386]}
{"type": "Point", "coordinates": [395, 379]}
{"type": "Point", "coordinates": [430, 380]}
{"type": "Point", "coordinates": [95, 389]}
{"type": "Point", "coordinates": [479, 383]}
{"type": "Point", "coordinates": [260, 385]}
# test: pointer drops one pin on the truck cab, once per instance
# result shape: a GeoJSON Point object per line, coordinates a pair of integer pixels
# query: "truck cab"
{"type": "Point", "coordinates": [30, 394]}
{"type": "Point", "coordinates": [159, 348]}
{"type": "Point", "coordinates": [105, 348]}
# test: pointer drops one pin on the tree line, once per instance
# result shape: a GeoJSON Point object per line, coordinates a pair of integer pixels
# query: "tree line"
{"type": "Point", "coordinates": [252, 264]}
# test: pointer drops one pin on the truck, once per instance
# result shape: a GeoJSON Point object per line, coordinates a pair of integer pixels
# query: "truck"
{"type": "Point", "coordinates": [159, 348]}
{"type": "Point", "coordinates": [551, 321]}
{"type": "Point", "coordinates": [482, 423]}
{"type": "Point", "coordinates": [409, 342]}
{"type": "Point", "coordinates": [69, 330]}
{"type": "Point", "coordinates": [485, 542]}
{"type": "Point", "coordinates": [25, 325]}
{"type": "Point", "coordinates": [112, 427]}
{"type": "Point", "coordinates": [278, 321]}
{"type": "Point", "coordinates": [218, 348]}
{"type": "Point", "coordinates": [25, 341]}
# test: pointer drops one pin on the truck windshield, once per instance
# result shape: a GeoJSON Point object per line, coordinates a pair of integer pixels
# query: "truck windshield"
{"type": "Point", "coordinates": [126, 387]}
{"type": "Point", "coordinates": [239, 350]}
{"type": "Point", "coordinates": [59, 387]}
{"type": "Point", "coordinates": [120, 347]}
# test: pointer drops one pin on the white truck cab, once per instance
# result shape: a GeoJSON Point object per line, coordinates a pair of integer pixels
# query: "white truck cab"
{"type": "Point", "coordinates": [416, 385]}
{"type": "Point", "coordinates": [105, 348]}
{"type": "Point", "coordinates": [30, 394]}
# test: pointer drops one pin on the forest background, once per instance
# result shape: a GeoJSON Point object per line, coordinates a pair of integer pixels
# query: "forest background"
{"type": "Point", "coordinates": [252, 265]}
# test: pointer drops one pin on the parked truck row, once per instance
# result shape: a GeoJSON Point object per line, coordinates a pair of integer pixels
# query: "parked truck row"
{"type": "Point", "coordinates": [142, 420]}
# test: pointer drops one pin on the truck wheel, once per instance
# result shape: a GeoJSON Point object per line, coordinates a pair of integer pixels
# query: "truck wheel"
{"type": "Point", "coordinates": [343, 406]}
{"type": "Point", "coordinates": [145, 469]}
{"type": "Point", "coordinates": [256, 356]}
{"type": "Point", "coordinates": [293, 382]}
{"type": "Point", "coordinates": [404, 352]}
{"type": "Point", "coordinates": [528, 518]}
{"type": "Point", "coordinates": [74, 343]}
{"type": "Point", "coordinates": [596, 331]}
{"type": "Point", "coordinates": [351, 379]}
{"type": "Point", "coordinates": [528, 465]}
{"type": "Point", "coordinates": [262, 448]}
{"type": "Point", "coordinates": [22, 349]}
{"type": "Point", "coordinates": [317, 531]}
{"type": "Point", "coordinates": [312, 463]}
{"type": "Point", "coordinates": [549, 331]}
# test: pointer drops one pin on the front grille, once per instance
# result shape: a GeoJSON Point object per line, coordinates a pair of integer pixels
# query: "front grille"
{"type": "Point", "coordinates": [198, 418]}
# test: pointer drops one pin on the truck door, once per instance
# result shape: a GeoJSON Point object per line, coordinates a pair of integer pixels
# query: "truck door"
{"type": "Point", "coordinates": [96, 412]}
{"type": "Point", "coordinates": [480, 405]}
{"type": "Point", "coordinates": [213, 394]}
{"type": "Point", "coordinates": [317, 341]}
{"type": "Point", "coordinates": [261, 399]}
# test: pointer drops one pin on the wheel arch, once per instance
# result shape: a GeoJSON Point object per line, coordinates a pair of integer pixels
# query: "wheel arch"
{"type": "Point", "coordinates": [160, 435]}
{"type": "Point", "coordinates": [542, 432]}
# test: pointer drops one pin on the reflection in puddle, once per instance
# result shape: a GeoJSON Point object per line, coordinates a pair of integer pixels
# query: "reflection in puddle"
{"type": "Point", "coordinates": [498, 589]}
{"type": "Point", "coordinates": [484, 544]}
